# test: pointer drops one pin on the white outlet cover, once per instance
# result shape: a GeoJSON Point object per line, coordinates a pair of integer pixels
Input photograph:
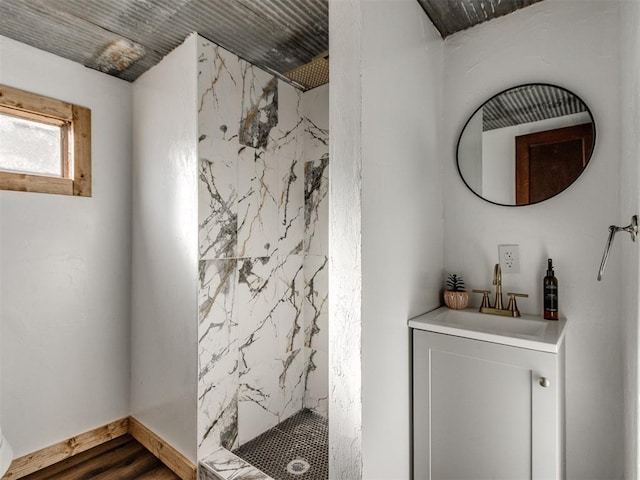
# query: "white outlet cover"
{"type": "Point", "coordinates": [509, 258]}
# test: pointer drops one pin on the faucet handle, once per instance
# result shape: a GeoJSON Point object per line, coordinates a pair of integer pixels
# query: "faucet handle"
{"type": "Point", "coordinates": [485, 298]}
{"type": "Point", "coordinates": [513, 306]}
{"type": "Point", "coordinates": [524, 295]}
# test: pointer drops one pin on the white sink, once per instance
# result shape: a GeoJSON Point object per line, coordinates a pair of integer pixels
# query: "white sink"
{"type": "Point", "coordinates": [472, 320]}
{"type": "Point", "coordinates": [527, 331]}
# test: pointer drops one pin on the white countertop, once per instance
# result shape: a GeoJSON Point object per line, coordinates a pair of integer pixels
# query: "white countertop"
{"type": "Point", "coordinates": [528, 331]}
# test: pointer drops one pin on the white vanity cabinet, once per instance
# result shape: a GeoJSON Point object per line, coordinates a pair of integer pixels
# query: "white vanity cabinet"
{"type": "Point", "coordinates": [483, 409]}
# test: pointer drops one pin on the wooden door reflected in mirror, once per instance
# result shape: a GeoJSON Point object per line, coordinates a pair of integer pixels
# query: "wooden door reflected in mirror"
{"type": "Point", "coordinates": [548, 162]}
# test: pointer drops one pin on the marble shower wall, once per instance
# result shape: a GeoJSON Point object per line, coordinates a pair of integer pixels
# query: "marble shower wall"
{"type": "Point", "coordinates": [315, 154]}
{"type": "Point", "coordinates": [262, 248]}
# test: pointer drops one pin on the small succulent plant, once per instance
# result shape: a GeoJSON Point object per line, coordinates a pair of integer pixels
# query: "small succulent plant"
{"type": "Point", "coordinates": [455, 283]}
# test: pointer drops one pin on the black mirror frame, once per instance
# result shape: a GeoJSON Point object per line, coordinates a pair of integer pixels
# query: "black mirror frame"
{"type": "Point", "coordinates": [593, 145]}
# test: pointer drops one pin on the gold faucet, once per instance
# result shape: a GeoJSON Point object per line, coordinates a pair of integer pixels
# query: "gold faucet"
{"type": "Point", "coordinates": [497, 281]}
{"type": "Point", "coordinates": [498, 309]}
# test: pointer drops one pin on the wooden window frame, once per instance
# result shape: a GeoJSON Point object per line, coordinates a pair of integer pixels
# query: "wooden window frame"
{"type": "Point", "coordinates": [75, 122]}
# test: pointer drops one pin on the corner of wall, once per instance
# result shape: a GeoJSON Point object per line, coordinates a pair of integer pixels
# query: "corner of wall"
{"type": "Point", "coordinates": [630, 202]}
{"type": "Point", "coordinates": [164, 249]}
{"type": "Point", "coordinates": [345, 240]}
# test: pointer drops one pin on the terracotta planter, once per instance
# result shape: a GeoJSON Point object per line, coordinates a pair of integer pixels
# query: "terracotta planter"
{"type": "Point", "coordinates": [456, 300]}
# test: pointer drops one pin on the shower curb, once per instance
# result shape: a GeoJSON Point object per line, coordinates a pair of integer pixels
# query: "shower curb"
{"type": "Point", "coordinates": [226, 465]}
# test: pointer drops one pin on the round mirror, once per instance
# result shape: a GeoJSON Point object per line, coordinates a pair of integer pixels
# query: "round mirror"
{"type": "Point", "coordinates": [526, 144]}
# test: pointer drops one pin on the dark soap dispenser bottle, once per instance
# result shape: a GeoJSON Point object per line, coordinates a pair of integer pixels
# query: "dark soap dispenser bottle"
{"type": "Point", "coordinates": [550, 294]}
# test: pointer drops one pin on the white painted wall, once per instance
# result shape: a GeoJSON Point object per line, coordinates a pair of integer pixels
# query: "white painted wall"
{"type": "Point", "coordinates": [345, 241]}
{"type": "Point", "coordinates": [401, 216]}
{"type": "Point", "coordinates": [536, 44]}
{"type": "Point", "coordinates": [630, 205]}
{"type": "Point", "coordinates": [385, 220]}
{"type": "Point", "coordinates": [65, 270]}
{"type": "Point", "coordinates": [165, 245]}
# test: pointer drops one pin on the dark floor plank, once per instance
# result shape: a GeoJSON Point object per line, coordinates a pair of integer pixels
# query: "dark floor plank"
{"type": "Point", "coordinates": [130, 467]}
{"type": "Point", "coordinates": [112, 461]}
{"type": "Point", "coordinates": [158, 473]}
{"type": "Point", "coordinates": [120, 459]}
{"type": "Point", "coordinates": [85, 456]}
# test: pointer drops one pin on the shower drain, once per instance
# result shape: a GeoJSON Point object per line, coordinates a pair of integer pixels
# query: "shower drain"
{"type": "Point", "coordinates": [298, 467]}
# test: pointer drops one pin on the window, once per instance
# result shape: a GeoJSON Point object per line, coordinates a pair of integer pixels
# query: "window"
{"type": "Point", "coordinates": [45, 144]}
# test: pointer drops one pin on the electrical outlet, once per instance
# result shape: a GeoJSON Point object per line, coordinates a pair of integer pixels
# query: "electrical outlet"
{"type": "Point", "coordinates": [509, 256]}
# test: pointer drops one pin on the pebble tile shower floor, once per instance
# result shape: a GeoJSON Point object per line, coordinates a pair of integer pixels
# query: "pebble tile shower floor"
{"type": "Point", "coordinates": [284, 452]}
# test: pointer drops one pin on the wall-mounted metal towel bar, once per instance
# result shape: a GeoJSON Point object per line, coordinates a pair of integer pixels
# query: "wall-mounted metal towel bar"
{"type": "Point", "coordinates": [632, 229]}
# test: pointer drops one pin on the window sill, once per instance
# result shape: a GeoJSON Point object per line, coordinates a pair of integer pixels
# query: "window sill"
{"type": "Point", "coordinates": [22, 182]}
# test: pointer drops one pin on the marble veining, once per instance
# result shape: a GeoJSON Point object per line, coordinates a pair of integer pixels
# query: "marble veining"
{"type": "Point", "coordinates": [286, 139]}
{"type": "Point", "coordinates": [257, 309]}
{"type": "Point", "coordinates": [271, 365]}
{"type": "Point", "coordinates": [226, 465]}
{"type": "Point", "coordinates": [316, 394]}
{"type": "Point", "coordinates": [218, 209]}
{"type": "Point", "coordinates": [316, 126]}
{"type": "Point", "coordinates": [258, 203]}
{"type": "Point", "coordinates": [316, 141]}
{"type": "Point", "coordinates": [220, 93]}
{"type": "Point", "coordinates": [290, 303]}
{"type": "Point", "coordinates": [218, 363]}
{"type": "Point", "coordinates": [270, 392]}
{"type": "Point", "coordinates": [262, 212]}
{"type": "Point", "coordinates": [290, 207]}
{"type": "Point", "coordinates": [315, 301]}
{"type": "Point", "coordinates": [220, 80]}
{"type": "Point", "coordinates": [259, 106]}
{"type": "Point", "coordinates": [316, 208]}
{"type": "Point", "coordinates": [316, 204]}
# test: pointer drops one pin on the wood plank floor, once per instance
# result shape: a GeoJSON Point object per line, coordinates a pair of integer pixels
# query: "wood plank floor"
{"type": "Point", "coordinates": [120, 459]}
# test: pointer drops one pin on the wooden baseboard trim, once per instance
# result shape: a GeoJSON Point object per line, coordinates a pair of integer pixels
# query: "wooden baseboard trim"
{"type": "Point", "coordinates": [33, 462]}
{"type": "Point", "coordinates": [28, 464]}
{"type": "Point", "coordinates": [168, 455]}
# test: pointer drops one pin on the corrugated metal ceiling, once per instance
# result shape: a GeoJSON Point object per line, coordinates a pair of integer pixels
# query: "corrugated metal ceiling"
{"type": "Point", "coordinates": [125, 38]}
{"type": "Point", "coordinates": [277, 35]}
{"type": "Point", "coordinates": [451, 16]}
